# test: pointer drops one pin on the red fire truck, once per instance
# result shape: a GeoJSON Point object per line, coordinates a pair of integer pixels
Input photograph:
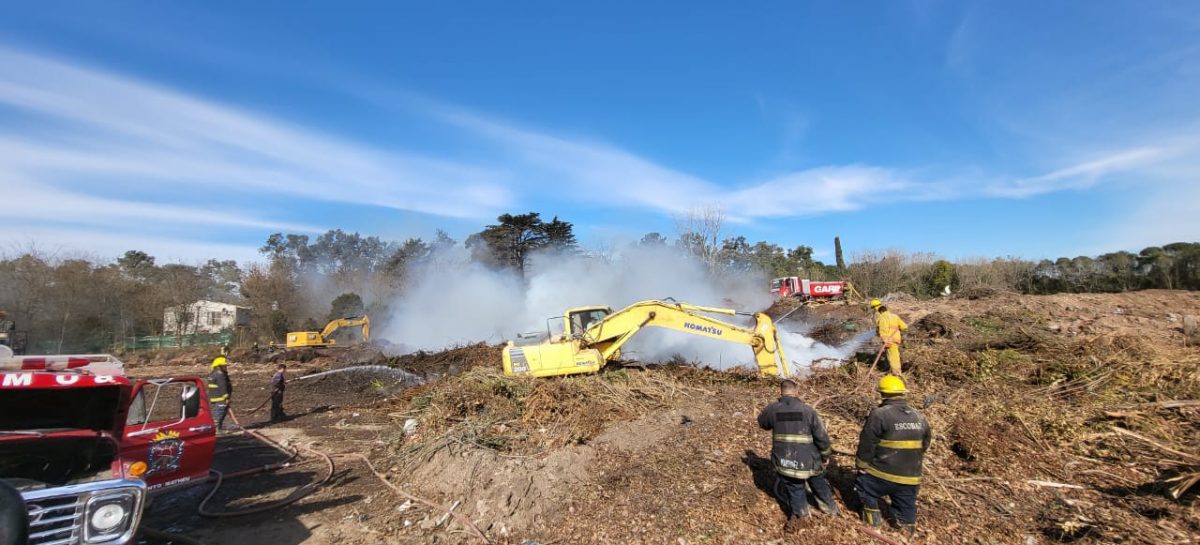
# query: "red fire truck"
{"type": "Point", "coordinates": [808, 290]}
{"type": "Point", "coordinates": [83, 444]}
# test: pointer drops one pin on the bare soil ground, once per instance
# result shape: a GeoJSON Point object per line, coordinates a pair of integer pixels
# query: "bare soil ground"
{"type": "Point", "coordinates": [1058, 419]}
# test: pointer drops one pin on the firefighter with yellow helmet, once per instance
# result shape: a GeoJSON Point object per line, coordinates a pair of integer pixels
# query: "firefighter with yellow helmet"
{"type": "Point", "coordinates": [219, 390]}
{"type": "Point", "coordinates": [889, 327]}
{"type": "Point", "coordinates": [891, 450]}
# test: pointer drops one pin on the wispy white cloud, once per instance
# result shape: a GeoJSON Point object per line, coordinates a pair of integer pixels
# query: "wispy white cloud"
{"type": "Point", "coordinates": [606, 175]}
{"type": "Point", "coordinates": [1079, 176]}
{"type": "Point", "coordinates": [819, 190]}
{"type": "Point", "coordinates": [107, 243]}
{"type": "Point", "coordinates": [596, 171]}
{"type": "Point", "coordinates": [35, 203]}
{"type": "Point", "coordinates": [93, 120]}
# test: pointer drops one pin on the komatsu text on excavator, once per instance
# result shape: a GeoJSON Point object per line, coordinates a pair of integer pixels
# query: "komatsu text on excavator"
{"type": "Point", "coordinates": [593, 336]}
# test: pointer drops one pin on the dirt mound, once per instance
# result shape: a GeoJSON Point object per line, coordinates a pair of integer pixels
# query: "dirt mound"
{"type": "Point", "coordinates": [834, 332]}
{"type": "Point", "coordinates": [897, 297]}
{"type": "Point", "coordinates": [936, 325]}
{"type": "Point", "coordinates": [783, 307]}
{"type": "Point", "coordinates": [362, 354]}
{"type": "Point", "coordinates": [976, 292]}
{"type": "Point", "coordinates": [516, 448]}
{"type": "Point", "coordinates": [453, 361]}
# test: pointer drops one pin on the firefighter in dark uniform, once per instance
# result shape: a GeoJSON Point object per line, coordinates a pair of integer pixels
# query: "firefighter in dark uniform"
{"type": "Point", "coordinates": [219, 390]}
{"type": "Point", "coordinates": [891, 449]}
{"type": "Point", "coordinates": [278, 385]}
{"type": "Point", "coordinates": [799, 449]}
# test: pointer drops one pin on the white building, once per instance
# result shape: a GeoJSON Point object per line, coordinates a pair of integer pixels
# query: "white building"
{"type": "Point", "coordinates": [204, 317]}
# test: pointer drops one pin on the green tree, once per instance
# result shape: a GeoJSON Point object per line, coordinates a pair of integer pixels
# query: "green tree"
{"type": "Point", "coordinates": [224, 278]}
{"type": "Point", "coordinates": [333, 252]}
{"type": "Point", "coordinates": [346, 305]}
{"type": "Point", "coordinates": [1119, 271]}
{"type": "Point", "coordinates": [735, 255]}
{"type": "Point", "coordinates": [837, 252]}
{"type": "Point", "coordinates": [413, 251]}
{"type": "Point", "coordinates": [272, 293]}
{"type": "Point", "coordinates": [510, 242]}
{"type": "Point", "coordinates": [941, 274]}
{"type": "Point", "coordinates": [137, 264]}
{"type": "Point", "coordinates": [654, 240]}
{"type": "Point", "coordinates": [770, 258]}
{"type": "Point", "coordinates": [560, 235]}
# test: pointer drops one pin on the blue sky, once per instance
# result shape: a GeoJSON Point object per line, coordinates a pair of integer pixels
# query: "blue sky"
{"type": "Point", "coordinates": [194, 130]}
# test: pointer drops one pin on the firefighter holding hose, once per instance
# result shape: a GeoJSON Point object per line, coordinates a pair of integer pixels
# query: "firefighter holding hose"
{"type": "Point", "coordinates": [278, 385]}
{"type": "Point", "coordinates": [889, 329]}
{"type": "Point", "coordinates": [891, 451]}
{"type": "Point", "coordinates": [219, 390]}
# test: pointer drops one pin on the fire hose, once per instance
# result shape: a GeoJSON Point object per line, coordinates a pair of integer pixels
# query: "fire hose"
{"type": "Point", "coordinates": [291, 498]}
{"type": "Point", "coordinates": [296, 495]}
{"type": "Point", "coordinates": [220, 478]}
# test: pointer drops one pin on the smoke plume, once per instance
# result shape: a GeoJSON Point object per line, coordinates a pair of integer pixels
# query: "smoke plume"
{"type": "Point", "coordinates": [452, 300]}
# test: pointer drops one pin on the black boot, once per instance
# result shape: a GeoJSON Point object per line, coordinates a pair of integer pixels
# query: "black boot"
{"type": "Point", "coordinates": [827, 506]}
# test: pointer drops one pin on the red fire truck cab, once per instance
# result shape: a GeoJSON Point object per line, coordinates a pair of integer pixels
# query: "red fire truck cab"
{"type": "Point", "coordinates": [83, 444]}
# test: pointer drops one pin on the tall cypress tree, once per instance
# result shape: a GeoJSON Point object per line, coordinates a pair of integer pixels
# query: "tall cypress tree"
{"type": "Point", "coordinates": [837, 251]}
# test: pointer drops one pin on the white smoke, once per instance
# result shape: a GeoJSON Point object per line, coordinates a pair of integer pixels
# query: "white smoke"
{"type": "Point", "coordinates": [454, 301]}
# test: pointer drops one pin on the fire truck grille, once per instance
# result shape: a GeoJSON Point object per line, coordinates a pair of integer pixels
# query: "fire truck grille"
{"type": "Point", "coordinates": [55, 520]}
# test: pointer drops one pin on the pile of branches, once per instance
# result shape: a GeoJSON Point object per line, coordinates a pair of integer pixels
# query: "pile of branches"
{"type": "Point", "coordinates": [1113, 418]}
{"type": "Point", "coordinates": [522, 416]}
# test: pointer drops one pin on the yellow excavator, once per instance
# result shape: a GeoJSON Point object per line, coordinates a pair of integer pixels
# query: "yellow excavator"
{"type": "Point", "coordinates": [324, 338]}
{"type": "Point", "coordinates": [593, 336]}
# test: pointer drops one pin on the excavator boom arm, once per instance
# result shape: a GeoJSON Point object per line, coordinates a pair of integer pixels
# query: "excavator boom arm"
{"type": "Point", "coordinates": [335, 325]}
{"type": "Point", "coordinates": [609, 334]}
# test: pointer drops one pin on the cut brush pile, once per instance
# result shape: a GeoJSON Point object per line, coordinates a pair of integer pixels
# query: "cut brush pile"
{"type": "Point", "coordinates": [1047, 431]}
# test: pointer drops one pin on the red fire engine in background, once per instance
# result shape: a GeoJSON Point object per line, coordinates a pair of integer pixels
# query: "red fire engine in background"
{"type": "Point", "coordinates": [809, 290]}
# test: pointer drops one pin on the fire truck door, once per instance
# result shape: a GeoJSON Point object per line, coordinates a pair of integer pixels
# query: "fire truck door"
{"type": "Point", "coordinates": [169, 427]}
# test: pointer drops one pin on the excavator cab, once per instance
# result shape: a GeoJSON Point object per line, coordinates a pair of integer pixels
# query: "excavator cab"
{"type": "Point", "coordinates": [564, 353]}
{"type": "Point", "coordinates": [583, 318]}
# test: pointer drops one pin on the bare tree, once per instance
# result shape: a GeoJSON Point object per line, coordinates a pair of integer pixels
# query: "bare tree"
{"type": "Point", "coordinates": [882, 272]}
{"type": "Point", "coordinates": [700, 233]}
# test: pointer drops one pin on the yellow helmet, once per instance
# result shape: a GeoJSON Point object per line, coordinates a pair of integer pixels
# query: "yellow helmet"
{"type": "Point", "coordinates": [876, 303]}
{"type": "Point", "coordinates": [892, 385]}
{"type": "Point", "coordinates": [218, 361]}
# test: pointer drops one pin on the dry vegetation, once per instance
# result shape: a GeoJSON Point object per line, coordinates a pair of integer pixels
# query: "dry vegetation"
{"type": "Point", "coordinates": [1084, 432]}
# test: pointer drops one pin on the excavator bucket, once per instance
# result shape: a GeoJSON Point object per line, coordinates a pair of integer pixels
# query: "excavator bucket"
{"type": "Point", "coordinates": [770, 357]}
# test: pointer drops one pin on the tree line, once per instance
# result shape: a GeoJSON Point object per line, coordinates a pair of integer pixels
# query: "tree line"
{"type": "Point", "coordinates": [81, 305]}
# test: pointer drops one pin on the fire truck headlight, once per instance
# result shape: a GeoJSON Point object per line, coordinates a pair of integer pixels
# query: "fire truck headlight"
{"type": "Point", "coordinates": [109, 516]}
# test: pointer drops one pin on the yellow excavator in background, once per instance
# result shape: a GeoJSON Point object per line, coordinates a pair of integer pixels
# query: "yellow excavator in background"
{"type": "Point", "coordinates": [324, 338]}
{"type": "Point", "coordinates": [592, 336]}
